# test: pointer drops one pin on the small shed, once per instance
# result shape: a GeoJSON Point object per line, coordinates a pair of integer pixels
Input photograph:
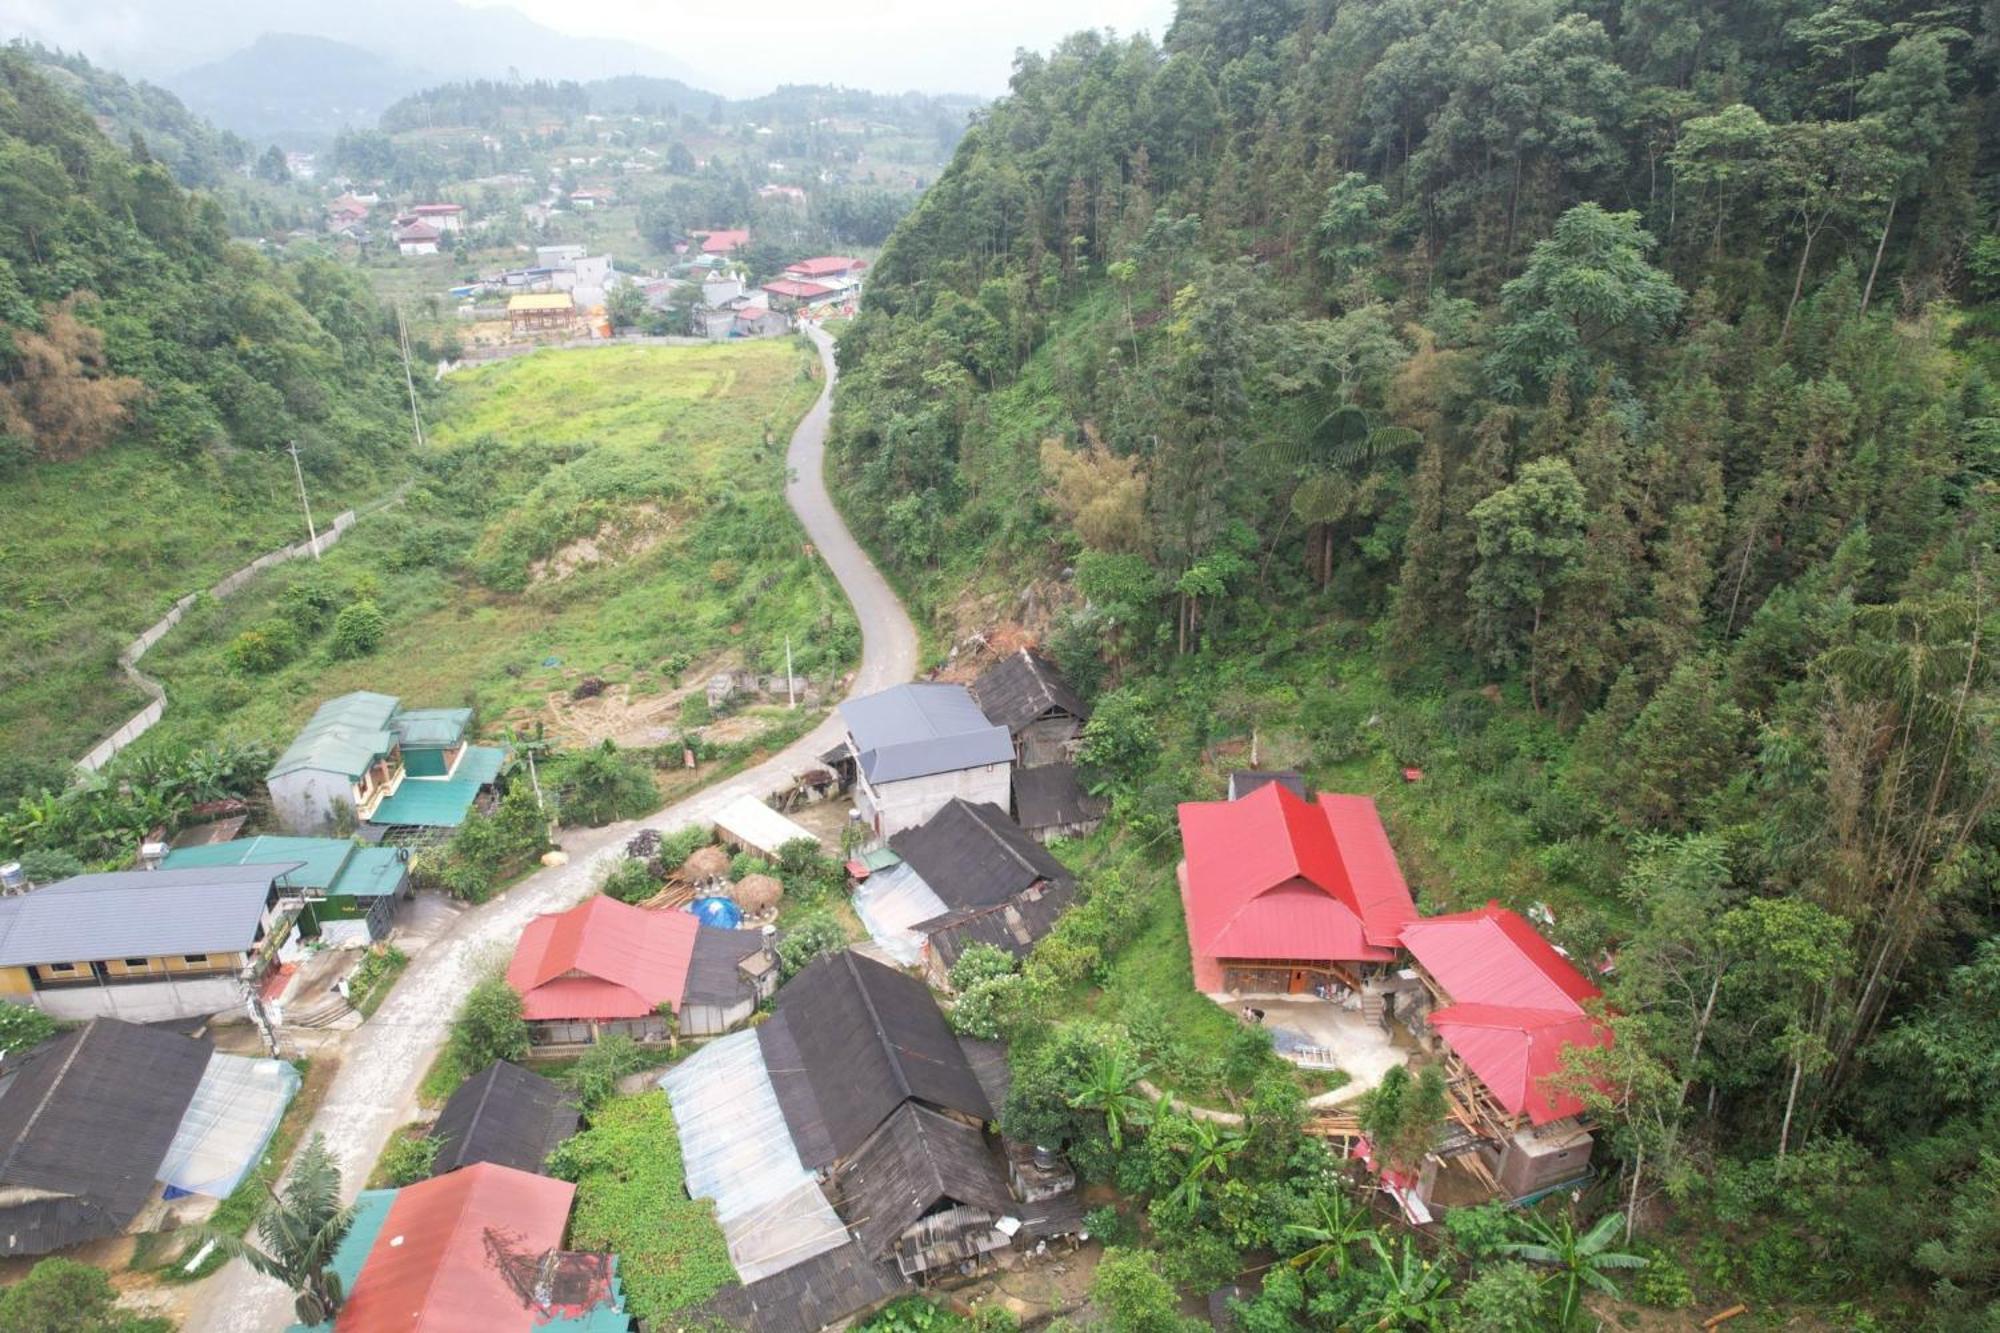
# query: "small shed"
{"type": "Point", "coordinates": [1050, 802]}
{"type": "Point", "coordinates": [748, 823]}
{"type": "Point", "coordinates": [1024, 693]}
{"type": "Point", "coordinates": [503, 1114]}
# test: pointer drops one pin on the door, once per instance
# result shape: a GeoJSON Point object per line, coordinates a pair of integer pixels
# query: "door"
{"type": "Point", "coordinates": [1301, 981]}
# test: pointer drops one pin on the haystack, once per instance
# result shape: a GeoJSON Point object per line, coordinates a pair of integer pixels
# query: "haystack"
{"type": "Point", "coordinates": [706, 863]}
{"type": "Point", "coordinates": [757, 894]}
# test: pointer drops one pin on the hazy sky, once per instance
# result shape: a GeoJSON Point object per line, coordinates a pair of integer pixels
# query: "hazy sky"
{"type": "Point", "coordinates": [887, 45]}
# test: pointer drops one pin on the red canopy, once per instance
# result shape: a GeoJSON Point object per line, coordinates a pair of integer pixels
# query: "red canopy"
{"type": "Point", "coordinates": [630, 961]}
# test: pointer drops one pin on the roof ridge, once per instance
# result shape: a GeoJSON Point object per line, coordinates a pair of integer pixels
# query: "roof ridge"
{"type": "Point", "coordinates": [464, 1206]}
{"type": "Point", "coordinates": [48, 1093]}
{"type": "Point", "coordinates": [479, 1110]}
{"type": "Point", "coordinates": [875, 1018]}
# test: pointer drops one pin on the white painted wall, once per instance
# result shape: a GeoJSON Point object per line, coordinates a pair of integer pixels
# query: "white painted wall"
{"type": "Point", "coordinates": [895, 806]}
{"type": "Point", "coordinates": [144, 1001]}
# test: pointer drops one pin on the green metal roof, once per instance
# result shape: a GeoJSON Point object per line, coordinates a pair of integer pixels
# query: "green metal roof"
{"type": "Point", "coordinates": [372, 872]}
{"type": "Point", "coordinates": [371, 1211]}
{"type": "Point", "coordinates": [880, 858]}
{"type": "Point", "coordinates": [345, 736]}
{"type": "Point", "coordinates": [336, 867]}
{"type": "Point", "coordinates": [442, 802]}
{"type": "Point", "coordinates": [439, 728]}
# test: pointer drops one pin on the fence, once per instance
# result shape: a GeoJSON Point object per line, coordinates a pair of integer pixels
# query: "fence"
{"type": "Point", "coordinates": [144, 720]}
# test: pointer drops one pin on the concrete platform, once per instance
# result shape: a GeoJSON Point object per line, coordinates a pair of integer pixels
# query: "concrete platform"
{"type": "Point", "coordinates": [1362, 1050]}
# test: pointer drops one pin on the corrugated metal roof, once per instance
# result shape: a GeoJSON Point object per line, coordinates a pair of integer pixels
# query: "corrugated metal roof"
{"type": "Point", "coordinates": [1494, 956]}
{"type": "Point", "coordinates": [1273, 876]}
{"type": "Point", "coordinates": [757, 826]}
{"type": "Point", "coordinates": [912, 731]}
{"type": "Point", "coordinates": [973, 855]}
{"type": "Point", "coordinates": [632, 961]}
{"type": "Point", "coordinates": [431, 727]}
{"type": "Point", "coordinates": [1050, 796]}
{"type": "Point", "coordinates": [344, 736]}
{"type": "Point", "coordinates": [503, 1114]}
{"type": "Point", "coordinates": [337, 867]}
{"type": "Point", "coordinates": [1517, 1052]}
{"type": "Point", "coordinates": [136, 914]}
{"type": "Point", "coordinates": [541, 301]}
{"type": "Point", "coordinates": [441, 802]}
{"type": "Point", "coordinates": [1022, 687]}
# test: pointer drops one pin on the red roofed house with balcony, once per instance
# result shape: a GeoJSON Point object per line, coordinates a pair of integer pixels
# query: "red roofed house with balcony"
{"type": "Point", "coordinates": [478, 1248]}
{"type": "Point", "coordinates": [445, 217]}
{"type": "Point", "coordinates": [1285, 895]}
{"type": "Point", "coordinates": [827, 269]}
{"type": "Point", "coordinates": [605, 967]}
{"type": "Point", "coordinates": [1507, 1005]}
{"type": "Point", "coordinates": [724, 242]}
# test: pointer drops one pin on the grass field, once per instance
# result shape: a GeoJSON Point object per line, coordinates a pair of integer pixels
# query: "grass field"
{"type": "Point", "coordinates": [613, 512]}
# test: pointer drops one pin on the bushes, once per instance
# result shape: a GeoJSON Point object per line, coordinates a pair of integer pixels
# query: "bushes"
{"type": "Point", "coordinates": [487, 849]}
{"type": "Point", "coordinates": [22, 1027]}
{"type": "Point", "coordinates": [358, 629]}
{"type": "Point", "coordinates": [815, 934]}
{"type": "Point", "coordinates": [631, 882]}
{"type": "Point", "coordinates": [488, 1027]}
{"type": "Point", "coordinates": [601, 785]}
{"type": "Point", "coordinates": [408, 1159]}
{"type": "Point", "coordinates": [596, 1074]}
{"type": "Point", "coordinates": [987, 987]}
{"type": "Point", "coordinates": [64, 1296]}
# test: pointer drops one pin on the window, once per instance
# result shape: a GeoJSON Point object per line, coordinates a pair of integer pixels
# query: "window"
{"type": "Point", "coordinates": [195, 959]}
{"type": "Point", "coordinates": [139, 962]}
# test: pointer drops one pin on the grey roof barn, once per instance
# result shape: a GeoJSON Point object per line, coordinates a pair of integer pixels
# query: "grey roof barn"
{"type": "Point", "coordinates": [913, 731]}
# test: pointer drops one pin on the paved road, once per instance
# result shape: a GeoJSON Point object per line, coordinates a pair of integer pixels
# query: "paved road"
{"type": "Point", "coordinates": [375, 1090]}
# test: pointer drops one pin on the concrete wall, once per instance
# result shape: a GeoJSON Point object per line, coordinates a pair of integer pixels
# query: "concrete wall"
{"type": "Point", "coordinates": [895, 806]}
{"type": "Point", "coordinates": [144, 1002]}
{"type": "Point", "coordinates": [304, 801]}
{"type": "Point", "coordinates": [128, 661]}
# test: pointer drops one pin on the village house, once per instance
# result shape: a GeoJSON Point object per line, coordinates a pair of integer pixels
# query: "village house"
{"type": "Point", "coordinates": [843, 1143]}
{"type": "Point", "coordinates": [791, 194]}
{"type": "Point", "coordinates": [418, 238]}
{"type": "Point", "coordinates": [967, 875]}
{"type": "Point", "coordinates": [912, 748]}
{"type": "Point", "coordinates": [444, 217]}
{"type": "Point", "coordinates": [364, 758]}
{"type": "Point", "coordinates": [1025, 693]}
{"type": "Point", "coordinates": [478, 1248]}
{"type": "Point", "coordinates": [535, 313]}
{"type": "Point", "coordinates": [605, 967]}
{"type": "Point", "coordinates": [760, 322]}
{"type": "Point", "coordinates": [559, 256]}
{"type": "Point", "coordinates": [345, 211]}
{"type": "Point", "coordinates": [589, 199]}
{"type": "Point", "coordinates": [841, 272]}
{"type": "Point", "coordinates": [144, 945]}
{"type": "Point", "coordinates": [346, 892]}
{"type": "Point", "coordinates": [723, 241]}
{"type": "Point", "coordinates": [506, 1115]}
{"type": "Point", "coordinates": [99, 1123]}
{"type": "Point", "coordinates": [791, 295]}
{"type": "Point", "coordinates": [1050, 802]}
{"type": "Point", "coordinates": [719, 289]}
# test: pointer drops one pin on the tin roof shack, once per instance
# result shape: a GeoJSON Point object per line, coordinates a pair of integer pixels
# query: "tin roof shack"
{"type": "Point", "coordinates": [347, 892]}
{"type": "Point", "coordinates": [843, 1144]}
{"type": "Point", "coordinates": [1289, 896]}
{"type": "Point", "coordinates": [993, 884]}
{"type": "Point", "coordinates": [506, 1115]}
{"type": "Point", "coordinates": [1050, 803]}
{"type": "Point", "coordinates": [915, 747]}
{"type": "Point", "coordinates": [363, 757]}
{"type": "Point", "coordinates": [144, 945]}
{"type": "Point", "coordinates": [604, 967]}
{"type": "Point", "coordinates": [480, 1248]}
{"type": "Point", "coordinates": [1506, 1004]}
{"type": "Point", "coordinates": [1024, 693]}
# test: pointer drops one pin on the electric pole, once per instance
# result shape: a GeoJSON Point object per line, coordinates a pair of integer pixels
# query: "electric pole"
{"type": "Point", "coordinates": [409, 380]}
{"type": "Point", "coordinates": [791, 699]}
{"type": "Point", "coordinates": [305, 504]}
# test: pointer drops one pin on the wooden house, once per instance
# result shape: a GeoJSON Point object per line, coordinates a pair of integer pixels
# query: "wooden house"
{"type": "Point", "coordinates": [534, 313]}
{"type": "Point", "coordinates": [1050, 802]}
{"type": "Point", "coordinates": [912, 748]}
{"type": "Point", "coordinates": [1024, 693]}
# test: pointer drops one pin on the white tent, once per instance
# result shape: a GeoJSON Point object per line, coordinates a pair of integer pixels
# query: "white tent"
{"type": "Point", "coordinates": [738, 1151]}
{"type": "Point", "coordinates": [232, 1115]}
{"type": "Point", "coordinates": [890, 902]}
{"type": "Point", "coordinates": [756, 827]}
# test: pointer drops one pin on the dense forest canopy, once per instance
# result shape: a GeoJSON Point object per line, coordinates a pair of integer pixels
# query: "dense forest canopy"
{"type": "Point", "coordinates": [1629, 361]}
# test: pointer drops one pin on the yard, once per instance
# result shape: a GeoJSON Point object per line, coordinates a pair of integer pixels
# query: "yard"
{"type": "Point", "coordinates": [612, 516]}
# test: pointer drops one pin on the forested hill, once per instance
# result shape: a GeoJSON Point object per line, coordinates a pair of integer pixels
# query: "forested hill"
{"type": "Point", "coordinates": [196, 152]}
{"type": "Point", "coordinates": [1590, 401]}
{"type": "Point", "coordinates": [151, 371]}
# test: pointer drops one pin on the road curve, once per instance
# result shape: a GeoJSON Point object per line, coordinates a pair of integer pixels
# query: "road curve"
{"type": "Point", "coordinates": [375, 1090]}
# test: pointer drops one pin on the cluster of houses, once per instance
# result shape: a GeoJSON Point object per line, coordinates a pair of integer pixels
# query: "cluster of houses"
{"type": "Point", "coordinates": [416, 231]}
{"type": "Point", "coordinates": [562, 294]}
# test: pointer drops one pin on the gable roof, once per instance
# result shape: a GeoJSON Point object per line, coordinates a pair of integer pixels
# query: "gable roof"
{"type": "Point", "coordinates": [344, 735]}
{"type": "Point", "coordinates": [422, 728]}
{"type": "Point", "coordinates": [792, 287]}
{"type": "Point", "coordinates": [455, 1251]}
{"type": "Point", "coordinates": [914, 1161]}
{"type": "Point", "coordinates": [868, 1038]}
{"type": "Point", "coordinates": [1021, 687]}
{"type": "Point", "coordinates": [1273, 876]}
{"type": "Point", "coordinates": [421, 231]}
{"type": "Point", "coordinates": [821, 266]}
{"type": "Point", "coordinates": [85, 1122]}
{"type": "Point", "coordinates": [912, 731]}
{"type": "Point", "coordinates": [1015, 925]}
{"type": "Point", "coordinates": [722, 240]}
{"type": "Point", "coordinates": [338, 867]}
{"type": "Point", "coordinates": [975, 856]}
{"type": "Point", "coordinates": [714, 974]}
{"type": "Point", "coordinates": [137, 914]}
{"type": "Point", "coordinates": [1516, 1051]}
{"type": "Point", "coordinates": [1050, 796]}
{"type": "Point", "coordinates": [506, 1115]}
{"type": "Point", "coordinates": [1243, 781]}
{"type": "Point", "coordinates": [631, 961]}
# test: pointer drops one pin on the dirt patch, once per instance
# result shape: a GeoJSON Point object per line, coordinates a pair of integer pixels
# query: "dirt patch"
{"type": "Point", "coordinates": [736, 727]}
{"type": "Point", "coordinates": [627, 720]}
{"type": "Point", "coordinates": [627, 537]}
{"type": "Point", "coordinates": [1036, 1290]}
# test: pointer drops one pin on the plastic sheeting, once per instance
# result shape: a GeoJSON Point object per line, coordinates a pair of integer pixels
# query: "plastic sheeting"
{"type": "Point", "coordinates": [234, 1111]}
{"type": "Point", "coordinates": [739, 1152]}
{"type": "Point", "coordinates": [890, 902]}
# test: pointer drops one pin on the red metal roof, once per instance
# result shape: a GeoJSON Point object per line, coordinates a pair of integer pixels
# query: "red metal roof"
{"type": "Point", "coordinates": [441, 210]}
{"type": "Point", "coordinates": [1494, 956]}
{"type": "Point", "coordinates": [442, 1261]}
{"type": "Point", "coordinates": [722, 242]}
{"type": "Point", "coordinates": [1273, 876]}
{"type": "Point", "coordinates": [1515, 1051]}
{"type": "Point", "coordinates": [827, 266]}
{"type": "Point", "coordinates": [602, 959]}
{"type": "Point", "coordinates": [804, 291]}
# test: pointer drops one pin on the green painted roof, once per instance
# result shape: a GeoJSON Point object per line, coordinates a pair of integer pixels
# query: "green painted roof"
{"type": "Point", "coordinates": [371, 1210]}
{"type": "Point", "coordinates": [372, 872]}
{"type": "Point", "coordinates": [880, 858]}
{"type": "Point", "coordinates": [345, 736]}
{"type": "Point", "coordinates": [337, 867]}
{"type": "Point", "coordinates": [428, 728]}
{"type": "Point", "coordinates": [442, 802]}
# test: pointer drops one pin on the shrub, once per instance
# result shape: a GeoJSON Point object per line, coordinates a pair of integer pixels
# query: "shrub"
{"type": "Point", "coordinates": [595, 1076]}
{"type": "Point", "coordinates": [358, 629]}
{"type": "Point", "coordinates": [64, 1296]}
{"type": "Point", "coordinates": [22, 1027]}
{"type": "Point", "coordinates": [695, 711]}
{"type": "Point", "coordinates": [745, 864]}
{"type": "Point", "coordinates": [489, 1027]}
{"type": "Point", "coordinates": [816, 934]}
{"type": "Point", "coordinates": [1505, 1298]}
{"type": "Point", "coordinates": [601, 785]}
{"type": "Point", "coordinates": [1130, 1290]}
{"type": "Point", "coordinates": [980, 962]}
{"type": "Point", "coordinates": [263, 648]}
{"type": "Point", "coordinates": [631, 882]}
{"type": "Point", "coordinates": [984, 1009]}
{"type": "Point", "coordinates": [50, 864]}
{"type": "Point", "coordinates": [1662, 1282]}
{"type": "Point", "coordinates": [677, 847]}
{"type": "Point", "coordinates": [408, 1159]}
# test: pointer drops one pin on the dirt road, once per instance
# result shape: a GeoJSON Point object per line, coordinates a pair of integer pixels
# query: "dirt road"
{"type": "Point", "coordinates": [376, 1089]}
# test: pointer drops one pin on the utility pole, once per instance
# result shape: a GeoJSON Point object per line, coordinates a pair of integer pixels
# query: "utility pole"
{"type": "Point", "coordinates": [409, 380]}
{"type": "Point", "coordinates": [305, 504]}
{"type": "Point", "coordinates": [791, 697]}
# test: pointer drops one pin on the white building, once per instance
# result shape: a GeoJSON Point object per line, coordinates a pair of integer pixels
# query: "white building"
{"type": "Point", "coordinates": [915, 747]}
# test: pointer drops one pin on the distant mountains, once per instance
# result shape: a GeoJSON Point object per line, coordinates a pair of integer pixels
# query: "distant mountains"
{"type": "Point", "coordinates": [298, 91]}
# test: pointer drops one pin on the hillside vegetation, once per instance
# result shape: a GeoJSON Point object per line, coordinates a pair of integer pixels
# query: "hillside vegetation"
{"type": "Point", "coordinates": [1588, 405]}
{"type": "Point", "coordinates": [151, 373]}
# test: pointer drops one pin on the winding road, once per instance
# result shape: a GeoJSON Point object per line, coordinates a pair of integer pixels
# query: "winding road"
{"type": "Point", "coordinates": [375, 1090]}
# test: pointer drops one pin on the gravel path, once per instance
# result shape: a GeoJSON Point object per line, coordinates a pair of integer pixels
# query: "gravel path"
{"type": "Point", "coordinates": [384, 1060]}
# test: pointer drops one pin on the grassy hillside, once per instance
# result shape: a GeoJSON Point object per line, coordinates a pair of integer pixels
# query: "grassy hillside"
{"type": "Point", "coordinates": [615, 513]}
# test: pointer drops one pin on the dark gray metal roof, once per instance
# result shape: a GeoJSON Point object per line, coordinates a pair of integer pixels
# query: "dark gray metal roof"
{"type": "Point", "coordinates": [786, 1069]}
{"type": "Point", "coordinates": [1244, 781]}
{"type": "Point", "coordinates": [1050, 796]}
{"type": "Point", "coordinates": [975, 856]}
{"type": "Point", "coordinates": [506, 1115]}
{"type": "Point", "coordinates": [1015, 925]}
{"type": "Point", "coordinates": [869, 1039]}
{"type": "Point", "coordinates": [989, 1065]}
{"type": "Point", "coordinates": [138, 914]}
{"type": "Point", "coordinates": [807, 1297]}
{"type": "Point", "coordinates": [913, 731]}
{"type": "Point", "coordinates": [714, 975]}
{"type": "Point", "coordinates": [85, 1121]}
{"type": "Point", "coordinates": [914, 1163]}
{"type": "Point", "coordinates": [1024, 686]}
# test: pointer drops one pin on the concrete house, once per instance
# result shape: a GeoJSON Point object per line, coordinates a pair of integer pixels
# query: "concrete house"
{"type": "Point", "coordinates": [418, 238]}
{"type": "Point", "coordinates": [143, 945]}
{"type": "Point", "coordinates": [364, 758]}
{"type": "Point", "coordinates": [444, 217]}
{"type": "Point", "coordinates": [345, 891]}
{"type": "Point", "coordinates": [914, 747]}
